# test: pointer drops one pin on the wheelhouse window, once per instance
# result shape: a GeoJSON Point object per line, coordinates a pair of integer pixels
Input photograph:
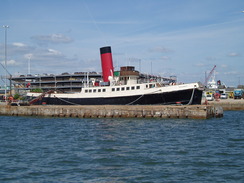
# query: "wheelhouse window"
{"type": "Point", "coordinates": [151, 85]}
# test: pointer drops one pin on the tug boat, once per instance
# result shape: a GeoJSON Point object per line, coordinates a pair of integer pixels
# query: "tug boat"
{"type": "Point", "coordinates": [123, 87]}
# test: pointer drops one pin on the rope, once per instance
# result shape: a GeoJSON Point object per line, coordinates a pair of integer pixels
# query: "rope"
{"type": "Point", "coordinates": [141, 97]}
{"type": "Point", "coordinates": [135, 100]}
{"type": "Point", "coordinates": [66, 101]}
{"type": "Point", "coordinates": [191, 99]}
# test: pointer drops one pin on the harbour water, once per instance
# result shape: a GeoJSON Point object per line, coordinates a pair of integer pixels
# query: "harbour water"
{"type": "Point", "coordinates": [122, 150]}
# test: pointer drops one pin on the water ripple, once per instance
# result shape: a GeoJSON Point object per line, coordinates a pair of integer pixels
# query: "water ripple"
{"type": "Point", "coordinates": [122, 150]}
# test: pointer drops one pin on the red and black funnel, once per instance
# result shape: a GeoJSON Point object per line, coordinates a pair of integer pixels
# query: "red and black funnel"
{"type": "Point", "coordinates": [107, 63]}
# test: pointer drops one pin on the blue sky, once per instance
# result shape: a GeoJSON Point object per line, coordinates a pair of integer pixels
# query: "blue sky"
{"type": "Point", "coordinates": [185, 38]}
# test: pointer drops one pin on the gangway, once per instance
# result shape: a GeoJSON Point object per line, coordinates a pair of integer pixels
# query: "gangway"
{"type": "Point", "coordinates": [40, 97]}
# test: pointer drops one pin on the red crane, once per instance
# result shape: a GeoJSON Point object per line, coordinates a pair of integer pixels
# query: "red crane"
{"type": "Point", "coordinates": [209, 75]}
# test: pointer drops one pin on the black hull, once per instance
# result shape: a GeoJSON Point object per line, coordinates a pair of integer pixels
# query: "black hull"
{"type": "Point", "coordinates": [191, 96]}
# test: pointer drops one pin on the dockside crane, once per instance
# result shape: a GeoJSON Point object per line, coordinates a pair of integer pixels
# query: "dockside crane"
{"type": "Point", "coordinates": [209, 75]}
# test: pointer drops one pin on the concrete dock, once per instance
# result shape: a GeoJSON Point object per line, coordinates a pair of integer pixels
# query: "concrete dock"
{"type": "Point", "coordinates": [229, 104]}
{"type": "Point", "coordinates": [116, 111]}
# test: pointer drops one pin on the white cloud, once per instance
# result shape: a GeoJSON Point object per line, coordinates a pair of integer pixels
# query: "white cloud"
{"type": "Point", "coordinates": [19, 44]}
{"type": "Point", "coordinates": [28, 56]}
{"type": "Point", "coordinates": [233, 54]}
{"type": "Point", "coordinates": [16, 48]}
{"type": "Point", "coordinates": [231, 73]}
{"type": "Point", "coordinates": [166, 58]}
{"type": "Point", "coordinates": [52, 38]}
{"type": "Point", "coordinates": [211, 58]}
{"type": "Point", "coordinates": [160, 49]}
{"type": "Point", "coordinates": [54, 52]}
{"type": "Point", "coordinates": [200, 65]}
{"type": "Point", "coordinates": [10, 63]}
{"type": "Point", "coordinates": [223, 66]}
{"type": "Point", "coordinates": [46, 55]}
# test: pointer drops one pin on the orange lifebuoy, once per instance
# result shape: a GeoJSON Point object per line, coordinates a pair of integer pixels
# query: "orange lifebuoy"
{"type": "Point", "coordinates": [11, 98]}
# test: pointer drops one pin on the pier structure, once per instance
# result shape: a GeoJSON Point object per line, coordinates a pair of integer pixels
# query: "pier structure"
{"type": "Point", "coordinates": [116, 111]}
{"type": "Point", "coordinates": [229, 104]}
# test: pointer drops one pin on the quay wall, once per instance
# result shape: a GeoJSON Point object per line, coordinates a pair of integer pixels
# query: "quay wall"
{"type": "Point", "coordinates": [115, 111]}
{"type": "Point", "coordinates": [229, 104]}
